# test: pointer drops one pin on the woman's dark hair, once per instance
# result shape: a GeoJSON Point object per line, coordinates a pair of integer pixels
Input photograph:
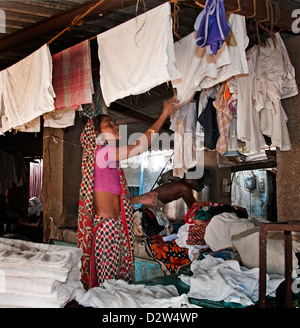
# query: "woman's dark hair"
{"type": "Point", "coordinates": [97, 122]}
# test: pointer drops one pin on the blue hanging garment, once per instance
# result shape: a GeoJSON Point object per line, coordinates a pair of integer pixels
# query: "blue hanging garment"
{"type": "Point", "coordinates": [212, 26]}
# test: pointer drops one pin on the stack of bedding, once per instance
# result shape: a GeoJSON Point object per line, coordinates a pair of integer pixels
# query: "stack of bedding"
{"type": "Point", "coordinates": [38, 275]}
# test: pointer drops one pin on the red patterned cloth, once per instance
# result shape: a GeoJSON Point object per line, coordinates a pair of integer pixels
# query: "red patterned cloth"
{"type": "Point", "coordinates": [72, 76]}
{"type": "Point", "coordinates": [192, 212]}
{"type": "Point", "coordinates": [99, 238]}
{"type": "Point", "coordinates": [197, 232]}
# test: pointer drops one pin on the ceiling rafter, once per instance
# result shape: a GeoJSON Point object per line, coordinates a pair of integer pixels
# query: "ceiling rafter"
{"type": "Point", "coordinates": [58, 21]}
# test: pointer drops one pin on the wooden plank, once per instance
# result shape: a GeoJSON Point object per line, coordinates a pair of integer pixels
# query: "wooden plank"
{"type": "Point", "coordinates": [58, 21]}
{"type": "Point", "coordinates": [136, 114]}
{"type": "Point", "coordinates": [27, 9]}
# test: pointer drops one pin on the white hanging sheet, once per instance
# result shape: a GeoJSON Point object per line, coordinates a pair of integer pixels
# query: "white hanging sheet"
{"type": "Point", "coordinates": [137, 55]}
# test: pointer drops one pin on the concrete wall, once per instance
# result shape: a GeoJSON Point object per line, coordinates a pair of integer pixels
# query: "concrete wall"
{"type": "Point", "coordinates": [288, 163]}
{"type": "Point", "coordinates": [216, 191]}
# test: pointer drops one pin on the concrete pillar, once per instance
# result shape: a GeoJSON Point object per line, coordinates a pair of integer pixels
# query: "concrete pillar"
{"type": "Point", "coordinates": [220, 175]}
{"type": "Point", "coordinates": [62, 155]}
{"type": "Point", "coordinates": [288, 163]}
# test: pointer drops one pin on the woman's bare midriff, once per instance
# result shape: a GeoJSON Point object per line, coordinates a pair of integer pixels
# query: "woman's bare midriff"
{"type": "Point", "coordinates": [106, 204]}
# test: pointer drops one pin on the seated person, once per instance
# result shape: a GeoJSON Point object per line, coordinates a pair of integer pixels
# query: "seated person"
{"type": "Point", "coordinates": [182, 188]}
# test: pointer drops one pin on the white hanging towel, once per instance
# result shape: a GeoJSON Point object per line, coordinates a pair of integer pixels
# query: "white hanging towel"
{"type": "Point", "coordinates": [60, 119]}
{"type": "Point", "coordinates": [137, 55]}
{"type": "Point", "coordinates": [27, 90]}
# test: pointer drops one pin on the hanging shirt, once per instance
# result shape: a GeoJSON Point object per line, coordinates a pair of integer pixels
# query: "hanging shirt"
{"type": "Point", "coordinates": [224, 117]}
{"type": "Point", "coordinates": [200, 70]}
{"type": "Point", "coordinates": [208, 120]}
{"type": "Point", "coordinates": [137, 55]}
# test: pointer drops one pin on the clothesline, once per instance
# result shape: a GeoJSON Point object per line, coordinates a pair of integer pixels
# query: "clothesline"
{"type": "Point", "coordinates": [76, 21]}
{"type": "Point", "coordinates": [57, 140]}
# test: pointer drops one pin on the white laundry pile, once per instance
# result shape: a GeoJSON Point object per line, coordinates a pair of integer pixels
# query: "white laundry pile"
{"type": "Point", "coordinates": [26, 90]}
{"type": "Point", "coordinates": [137, 55]}
{"type": "Point", "coordinates": [217, 280]}
{"type": "Point", "coordinates": [119, 293]}
{"type": "Point", "coordinates": [223, 226]}
{"type": "Point", "coordinates": [38, 275]}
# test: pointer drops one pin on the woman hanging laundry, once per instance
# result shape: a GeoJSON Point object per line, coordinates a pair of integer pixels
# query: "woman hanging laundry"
{"type": "Point", "coordinates": [105, 225]}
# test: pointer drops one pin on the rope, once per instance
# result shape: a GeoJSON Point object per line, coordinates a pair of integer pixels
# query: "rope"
{"type": "Point", "coordinates": [254, 10]}
{"type": "Point", "coordinates": [239, 8]}
{"type": "Point", "coordinates": [76, 21]}
{"type": "Point", "coordinates": [175, 17]}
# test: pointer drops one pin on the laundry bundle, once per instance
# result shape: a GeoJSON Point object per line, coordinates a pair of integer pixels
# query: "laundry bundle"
{"type": "Point", "coordinates": [216, 279]}
{"type": "Point", "coordinates": [119, 293]}
{"type": "Point", "coordinates": [35, 275]}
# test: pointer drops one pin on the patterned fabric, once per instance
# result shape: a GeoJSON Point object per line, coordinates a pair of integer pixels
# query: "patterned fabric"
{"type": "Point", "coordinates": [196, 233]}
{"type": "Point", "coordinates": [72, 76]}
{"type": "Point", "coordinates": [109, 252]}
{"type": "Point", "coordinates": [224, 118]}
{"type": "Point", "coordinates": [168, 254]}
{"type": "Point", "coordinates": [92, 230]}
{"type": "Point", "coordinates": [193, 210]}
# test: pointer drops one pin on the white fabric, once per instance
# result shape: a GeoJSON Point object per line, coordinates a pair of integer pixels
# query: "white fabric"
{"type": "Point", "coordinates": [60, 119]}
{"type": "Point", "coordinates": [222, 227]}
{"type": "Point", "coordinates": [185, 152]}
{"type": "Point", "coordinates": [38, 275]}
{"type": "Point", "coordinates": [259, 111]}
{"type": "Point", "coordinates": [118, 293]}
{"type": "Point", "coordinates": [216, 279]}
{"type": "Point", "coordinates": [289, 88]}
{"type": "Point", "coordinates": [27, 90]}
{"type": "Point", "coordinates": [247, 245]}
{"type": "Point", "coordinates": [200, 70]}
{"type": "Point", "coordinates": [32, 126]}
{"type": "Point", "coordinates": [137, 55]}
{"type": "Point", "coordinates": [248, 121]}
{"type": "Point", "coordinates": [182, 236]}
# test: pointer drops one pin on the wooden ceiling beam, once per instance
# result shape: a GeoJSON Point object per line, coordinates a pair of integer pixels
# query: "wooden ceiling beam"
{"type": "Point", "coordinates": [58, 21]}
{"type": "Point", "coordinates": [136, 114]}
{"type": "Point", "coordinates": [284, 19]}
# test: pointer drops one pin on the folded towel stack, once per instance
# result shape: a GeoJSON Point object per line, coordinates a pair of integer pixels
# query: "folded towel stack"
{"type": "Point", "coordinates": [38, 275]}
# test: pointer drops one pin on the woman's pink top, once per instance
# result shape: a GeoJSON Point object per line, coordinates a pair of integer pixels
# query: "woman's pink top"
{"type": "Point", "coordinates": [106, 174]}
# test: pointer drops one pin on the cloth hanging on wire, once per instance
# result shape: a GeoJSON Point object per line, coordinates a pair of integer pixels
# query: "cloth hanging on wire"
{"type": "Point", "coordinates": [200, 70]}
{"type": "Point", "coordinates": [72, 76]}
{"type": "Point", "coordinates": [212, 26]}
{"type": "Point", "coordinates": [26, 89]}
{"type": "Point", "coordinates": [137, 55]}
